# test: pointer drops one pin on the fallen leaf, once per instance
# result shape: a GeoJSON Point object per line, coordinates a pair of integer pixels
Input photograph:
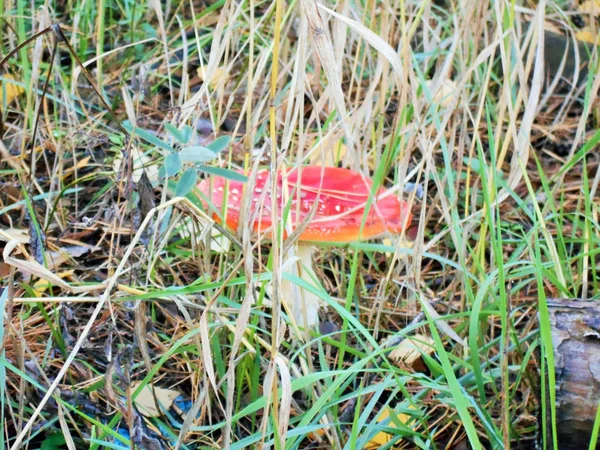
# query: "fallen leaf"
{"type": "Point", "coordinates": [410, 349]}
{"type": "Point", "coordinates": [382, 438]}
{"type": "Point", "coordinates": [17, 234]}
{"type": "Point", "coordinates": [588, 35]}
{"type": "Point", "coordinates": [400, 243]}
{"type": "Point", "coordinates": [4, 270]}
{"type": "Point", "coordinates": [41, 286]}
{"type": "Point", "coordinates": [145, 399]}
{"type": "Point", "coordinates": [590, 7]}
{"type": "Point", "coordinates": [218, 77]}
{"type": "Point", "coordinates": [30, 266]}
{"type": "Point", "coordinates": [55, 259]}
{"type": "Point", "coordinates": [9, 91]}
{"type": "Point", "coordinates": [81, 163]}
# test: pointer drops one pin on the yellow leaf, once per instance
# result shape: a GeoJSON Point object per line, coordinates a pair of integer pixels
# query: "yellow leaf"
{"type": "Point", "coordinates": [410, 349]}
{"type": "Point", "coordinates": [10, 90]}
{"type": "Point", "coordinates": [588, 35]}
{"type": "Point", "coordinates": [400, 243]}
{"type": "Point", "coordinates": [81, 163]}
{"type": "Point", "coordinates": [590, 6]}
{"type": "Point", "coordinates": [382, 437]}
{"type": "Point", "coordinates": [145, 399]}
{"type": "Point", "coordinates": [218, 77]}
{"type": "Point", "coordinates": [41, 286]}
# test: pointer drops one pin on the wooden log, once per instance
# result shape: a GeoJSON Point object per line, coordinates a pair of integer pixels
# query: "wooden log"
{"type": "Point", "coordinates": [576, 341]}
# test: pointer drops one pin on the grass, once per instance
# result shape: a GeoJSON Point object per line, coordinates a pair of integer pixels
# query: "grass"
{"type": "Point", "coordinates": [110, 280]}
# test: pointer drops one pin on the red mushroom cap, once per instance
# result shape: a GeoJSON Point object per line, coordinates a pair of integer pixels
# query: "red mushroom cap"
{"type": "Point", "coordinates": [342, 195]}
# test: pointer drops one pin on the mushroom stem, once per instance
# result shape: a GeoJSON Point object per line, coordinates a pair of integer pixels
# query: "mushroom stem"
{"type": "Point", "coordinates": [304, 304]}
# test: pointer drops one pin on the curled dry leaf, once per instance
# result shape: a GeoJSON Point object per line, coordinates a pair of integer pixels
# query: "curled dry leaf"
{"type": "Point", "coordinates": [32, 267]}
{"type": "Point", "coordinates": [410, 349]}
{"type": "Point", "coordinates": [53, 259]}
{"type": "Point", "coordinates": [145, 399]}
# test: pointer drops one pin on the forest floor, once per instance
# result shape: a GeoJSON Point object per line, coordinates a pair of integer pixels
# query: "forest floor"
{"type": "Point", "coordinates": [132, 320]}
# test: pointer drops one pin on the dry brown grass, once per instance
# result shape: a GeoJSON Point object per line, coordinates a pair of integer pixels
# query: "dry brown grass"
{"type": "Point", "coordinates": [454, 99]}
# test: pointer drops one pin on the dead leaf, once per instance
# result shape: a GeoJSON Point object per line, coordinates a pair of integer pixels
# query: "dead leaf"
{"type": "Point", "coordinates": [401, 243]}
{"type": "Point", "coordinates": [145, 399]}
{"type": "Point", "coordinates": [590, 7]}
{"type": "Point", "coordinates": [17, 234]}
{"type": "Point", "coordinates": [81, 163]}
{"type": "Point", "coordinates": [9, 91]}
{"type": "Point", "coordinates": [4, 270]}
{"type": "Point", "coordinates": [30, 266]}
{"type": "Point", "coordinates": [144, 189]}
{"type": "Point", "coordinates": [41, 286]}
{"type": "Point", "coordinates": [588, 35]}
{"type": "Point", "coordinates": [410, 349]}
{"type": "Point", "coordinates": [55, 259]}
{"type": "Point", "coordinates": [382, 438]}
{"type": "Point", "coordinates": [218, 78]}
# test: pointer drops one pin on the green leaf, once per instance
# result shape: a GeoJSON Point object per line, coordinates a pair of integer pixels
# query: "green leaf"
{"type": "Point", "coordinates": [196, 154]}
{"type": "Point", "coordinates": [187, 182]}
{"type": "Point", "coordinates": [187, 133]}
{"type": "Point", "coordinates": [176, 133]}
{"type": "Point", "coordinates": [182, 136]}
{"type": "Point", "coordinates": [53, 441]}
{"type": "Point", "coordinates": [116, 139]}
{"type": "Point", "coordinates": [172, 164]}
{"type": "Point", "coordinates": [219, 144]}
{"type": "Point", "coordinates": [225, 173]}
{"type": "Point", "coordinates": [147, 136]}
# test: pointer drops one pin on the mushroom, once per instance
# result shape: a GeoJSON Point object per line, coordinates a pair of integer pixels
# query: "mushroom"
{"type": "Point", "coordinates": [342, 196]}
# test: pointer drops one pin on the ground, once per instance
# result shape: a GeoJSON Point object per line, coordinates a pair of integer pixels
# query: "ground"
{"type": "Point", "coordinates": [133, 319]}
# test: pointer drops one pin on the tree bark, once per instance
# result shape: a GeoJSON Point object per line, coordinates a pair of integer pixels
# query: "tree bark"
{"type": "Point", "coordinates": [576, 341]}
